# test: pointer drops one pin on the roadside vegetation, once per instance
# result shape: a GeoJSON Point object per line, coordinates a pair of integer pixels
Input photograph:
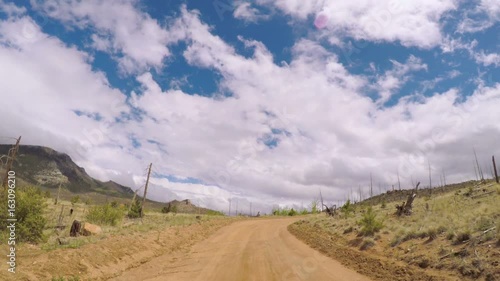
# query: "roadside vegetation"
{"type": "Point", "coordinates": [44, 221]}
{"type": "Point", "coordinates": [457, 232]}
{"type": "Point", "coordinates": [287, 211]}
{"type": "Point", "coordinates": [30, 204]}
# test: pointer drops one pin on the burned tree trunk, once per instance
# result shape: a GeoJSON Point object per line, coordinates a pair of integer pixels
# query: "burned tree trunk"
{"type": "Point", "coordinates": [75, 229]}
{"type": "Point", "coordinates": [332, 211]}
{"type": "Point", "coordinates": [405, 208]}
{"type": "Point", "coordinates": [495, 168]}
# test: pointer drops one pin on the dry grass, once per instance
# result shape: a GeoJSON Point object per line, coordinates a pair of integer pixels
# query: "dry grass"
{"type": "Point", "coordinates": [450, 224]}
{"type": "Point", "coordinates": [152, 221]}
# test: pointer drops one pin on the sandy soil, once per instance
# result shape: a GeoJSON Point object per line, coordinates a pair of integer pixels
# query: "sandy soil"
{"type": "Point", "coordinates": [109, 256]}
{"type": "Point", "coordinates": [260, 249]}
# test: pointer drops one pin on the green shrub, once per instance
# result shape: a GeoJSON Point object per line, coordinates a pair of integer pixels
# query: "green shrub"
{"type": "Point", "coordinates": [135, 210]}
{"type": "Point", "coordinates": [314, 207]}
{"type": "Point", "coordinates": [369, 223]}
{"type": "Point", "coordinates": [304, 212]}
{"type": "Point", "coordinates": [30, 206]}
{"type": "Point", "coordinates": [47, 194]}
{"type": "Point", "coordinates": [169, 209]}
{"type": "Point", "coordinates": [114, 204]}
{"type": "Point", "coordinates": [75, 199]}
{"type": "Point", "coordinates": [105, 214]}
{"type": "Point", "coordinates": [284, 212]}
{"type": "Point", "coordinates": [347, 209]}
{"type": "Point", "coordinates": [213, 213]}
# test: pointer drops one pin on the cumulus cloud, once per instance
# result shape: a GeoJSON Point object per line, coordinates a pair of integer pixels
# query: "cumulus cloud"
{"type": "Point", "coordinates": [285, 131]}
{"type": "Point", "coordinates": [48, 104]}
{"type": "Point", "coordinates": [412, 23]}
{"type": "Point", "coordinates": [137, 40]}
{"type": "Point", "coordinates": [327, 134]}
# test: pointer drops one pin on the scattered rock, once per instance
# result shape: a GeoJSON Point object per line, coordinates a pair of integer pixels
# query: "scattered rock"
{"type": "Point", "coordinates": [90, 229]}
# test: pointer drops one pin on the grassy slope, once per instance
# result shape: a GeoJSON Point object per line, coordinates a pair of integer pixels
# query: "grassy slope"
{"type": "Point", "coordinates": [428, 240]}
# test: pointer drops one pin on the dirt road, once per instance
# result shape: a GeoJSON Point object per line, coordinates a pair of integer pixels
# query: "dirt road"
{"type": "Point", "coordinates": [260, 250]}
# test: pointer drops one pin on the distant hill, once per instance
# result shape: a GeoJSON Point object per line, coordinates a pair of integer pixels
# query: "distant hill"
{"type": "Point", "coordinates": [402, 195]}
{"type": "Point", "coordinates": [186, 207]}
{"type": "Point", "coordinates": [48, 168]}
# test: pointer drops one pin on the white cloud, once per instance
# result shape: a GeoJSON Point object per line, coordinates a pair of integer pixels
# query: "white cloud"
{"type": "Point", "coordinates": [11, 9]}
{"type": "Point", "coordinates": [322, 130]}
{"type": "Point", "coordinates": [395, 78]}
{"type": "Point", "coordinates": [487, 59]}
{"type": "Point", "coordinates": [245, 11]}
{"type": "Point", "coordinates": [450, 45]}
{"type": "Point", "coordinates": [137, 40]}
{"type": "Point", "coordinates": [412, 23]}
{"type": "Point", "coordinates": [483, 16]}
{"type": "Point", "coordinates": [329, 135]}
{"type": "Point", "coordinates": [48, 82]}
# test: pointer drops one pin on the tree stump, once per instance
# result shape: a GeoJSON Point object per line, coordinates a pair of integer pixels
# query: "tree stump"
{"type": "Point", "coordinates": [331, 211]}
{"type": "Point", "coordinates": [75, 229]}
{"type": "Point", "coordinates": [405, 208]}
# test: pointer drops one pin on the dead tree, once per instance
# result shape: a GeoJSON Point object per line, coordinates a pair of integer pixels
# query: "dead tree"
{"type": "Point", "coordinates": [331, 211]}
{"type": "Point", "coordinates": [405, 208]}
{"type": "Point", "coordinates": [495, 168]}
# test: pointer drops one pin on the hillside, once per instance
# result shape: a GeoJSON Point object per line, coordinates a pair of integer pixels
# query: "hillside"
{"type": "Point", "coordinates": [452, 233]}
{"type": "Point", "coordinates": [46, 167]}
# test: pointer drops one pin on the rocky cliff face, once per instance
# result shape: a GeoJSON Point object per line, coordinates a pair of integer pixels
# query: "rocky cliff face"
{"type": "Point", "coordinates": [46, 167]}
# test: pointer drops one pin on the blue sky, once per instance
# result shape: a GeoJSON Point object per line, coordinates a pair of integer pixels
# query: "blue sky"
{"type": "Point", "coordinates": [262, 101]}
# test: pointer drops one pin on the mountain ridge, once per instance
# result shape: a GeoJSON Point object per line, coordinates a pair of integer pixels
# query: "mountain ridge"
{"type": "Point", "coordinates": [44, 166]}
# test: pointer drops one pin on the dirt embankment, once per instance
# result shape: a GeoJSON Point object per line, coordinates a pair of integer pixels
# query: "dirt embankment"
{"type": "Point", "coordinates": [376, 267]}
{"type": "Point", "coordinates": [109, 257]}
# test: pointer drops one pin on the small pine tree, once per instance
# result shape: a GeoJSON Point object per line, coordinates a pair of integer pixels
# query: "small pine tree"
{"type": "Point", "coordinates": [369, 223]}
{"type": "Point", "coordinates": [135, 210]}
{"type": "Point", "coordinates": [348, 208]}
